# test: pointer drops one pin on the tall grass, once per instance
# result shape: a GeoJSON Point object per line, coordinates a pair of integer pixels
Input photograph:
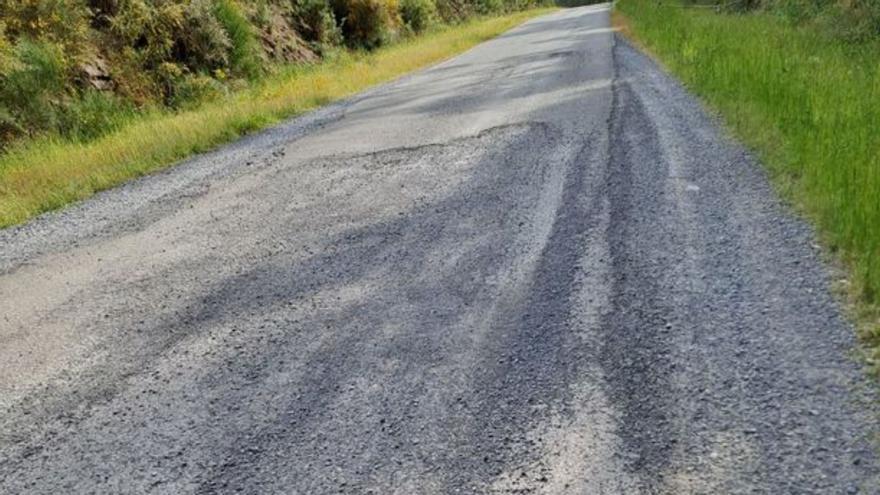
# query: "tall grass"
{"type": "Point", "coordinates": [807, 101]}
{"type": "Point", "coordinates": [49, 173]}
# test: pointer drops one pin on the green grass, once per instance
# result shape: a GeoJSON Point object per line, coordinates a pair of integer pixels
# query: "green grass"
{"type": "Point", "coordinates": [49, 173]}
{"type": "Point", "coordinates": [808, 103]}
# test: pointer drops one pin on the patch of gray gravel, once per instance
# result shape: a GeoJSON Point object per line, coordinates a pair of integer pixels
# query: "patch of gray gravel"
{"type": "Point", "coordinates": [724, 347]}
{"type": "Point", "coordinates": [538, 267]}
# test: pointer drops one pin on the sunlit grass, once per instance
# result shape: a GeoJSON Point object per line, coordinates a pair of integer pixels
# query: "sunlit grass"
{"type": "Point", "coordinates": [47, 174]}
{"type": "Point", "coordinates": [809, 104]}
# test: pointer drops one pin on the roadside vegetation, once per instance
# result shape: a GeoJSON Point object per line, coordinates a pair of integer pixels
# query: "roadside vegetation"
{"type": "Point", "coordinates": [799, 81]}
{"type": "Point", "coordinates": [96, 92]}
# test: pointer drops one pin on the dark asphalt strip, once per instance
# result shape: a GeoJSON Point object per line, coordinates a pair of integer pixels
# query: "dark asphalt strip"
{"type": "Point", "coordinates": [532, 355]}
{"type": "Point", "coordinates": [637, 324]}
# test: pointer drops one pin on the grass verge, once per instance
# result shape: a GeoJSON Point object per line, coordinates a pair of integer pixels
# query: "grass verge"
{"type": "Point", "coordinates": [47, 174]}
{"type": "Point", "coordinates": [807, 103]}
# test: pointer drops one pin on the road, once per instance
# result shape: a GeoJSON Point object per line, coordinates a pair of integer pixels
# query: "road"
{"type": "Point", "coordinates": [539, 267]}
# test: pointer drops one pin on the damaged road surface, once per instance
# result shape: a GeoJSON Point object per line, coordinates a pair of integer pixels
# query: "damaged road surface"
{"type": "Point", "coordinates": [538, 267]}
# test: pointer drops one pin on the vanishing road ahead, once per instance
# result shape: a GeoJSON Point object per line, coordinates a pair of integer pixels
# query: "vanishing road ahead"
{"type": "Point", "coordinates": [536, 268]}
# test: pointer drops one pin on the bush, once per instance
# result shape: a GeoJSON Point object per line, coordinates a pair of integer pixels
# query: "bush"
{"type": "Point", "coordinates": [190, 90]}
{"type": "Point", "coordinates": [203, 44]}
{"type": "Point", "coordinates": [315, 21]}
{"type": "Point", "coordinates": [244, 53]}
{"type": "Point", "coordinates": [418, 15]}
{"type": "Point", "coordinates": [191, 33]}
{"type": "Point", "coordinates": [103, 11]}
{"type": "Point", "coordinates": [261, 13]}
{"type": "Point", "coordinates": [148, 33]}
{"type": "Point", "coordinates": [368, 23]}
{"type": "Point", "coordinates": [33, 83]}
{"type": "Point", "coordinates": [514, 5]}
{"type": "Point", "coordinates": [9, 127]}
{"type": "Point", "coordinates": [6, 56]}
{"type": "Point", "coordinates": [453, 11]}
{"type": "Point", "coordinates": [130, 78]}
{"type": "Point", "coordinates": [183, 89]}
{"type": "Point", "coordinates": [489, 6]}
{"type": "Point", "coordinates": [62, 22]}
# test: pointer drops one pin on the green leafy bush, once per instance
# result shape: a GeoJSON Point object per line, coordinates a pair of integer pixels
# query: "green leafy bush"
{"type": "Point", "coordinates": [204, 43]}
{"type": "Point", "coordinates": [7, 60]}
{"type": "Point", "coordinates": [32, 85]}
{"type": "Point", "coordinates": [190, 90]}
{"type": "Point", "coordinates": [368, 23]}
{"type": "Point", "coordinates": [315, 22]}
{"type": "Point", "coordinates": [150, 33]}
{"type": "Point", "coordinates": [418, 15]}
{"type": "Point", "coordinates": [64, 23]}
{"type": "Point", "coordinates": [452, 11]}
{"type": "Point", "coordinates": [489, 6]}
{"type": "Point", "coordinates": [103, 11]}
{"type": "Point", "coordinates": [261, 13]}
{"type": "Point", "coordinates": [244, 50]}
{"type": "Point", "coordinates": [9, 127]}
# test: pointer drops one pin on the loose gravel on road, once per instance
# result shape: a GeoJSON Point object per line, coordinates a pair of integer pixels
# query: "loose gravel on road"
{"type": "Point", "coordinates": [538, 267]}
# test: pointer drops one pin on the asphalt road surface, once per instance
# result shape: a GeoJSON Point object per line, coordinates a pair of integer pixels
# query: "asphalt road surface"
{"type": "Point", "coordinates": [538, 267]}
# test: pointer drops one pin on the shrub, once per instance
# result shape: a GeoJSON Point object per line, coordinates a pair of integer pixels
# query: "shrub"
{"type": "Point", "coordinates": [453, 11]}
{"type": "Point", "coordinates": [418, 15]}
{"type": "Point", "coordinates": [315, 21]}
{"type": "Point", "coordinates": [515, 5]}
{"type": "Point", "coordinates": [204, 44]}
{"type": "Point", "coordinates": [244, 51]}
{"type": "Point", "coordinates": [151, 32]}
{"type": "Point", "coordinates": [103, 11]}
{"type": "Point", "coordinates": [62, 22]}
{"type": "Point", "coordinates": [191, 90]}
{"type": "Point", "coordinates": [172, 31]}
{"type": "Point", "coordinates": [130, 79]}
{"type": "Point", "coordinates": [488, 6]}
{"type": "Point", "coordinates": [368, 23]}
{"type": "Point", "coordinates": [261, 13]}
{"type": "Point", "coordinates": [32, 84]}
{"type": "Point", "coordinates": [9, 127]}
{"type": "Point", "coordinates": [6, 56]}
